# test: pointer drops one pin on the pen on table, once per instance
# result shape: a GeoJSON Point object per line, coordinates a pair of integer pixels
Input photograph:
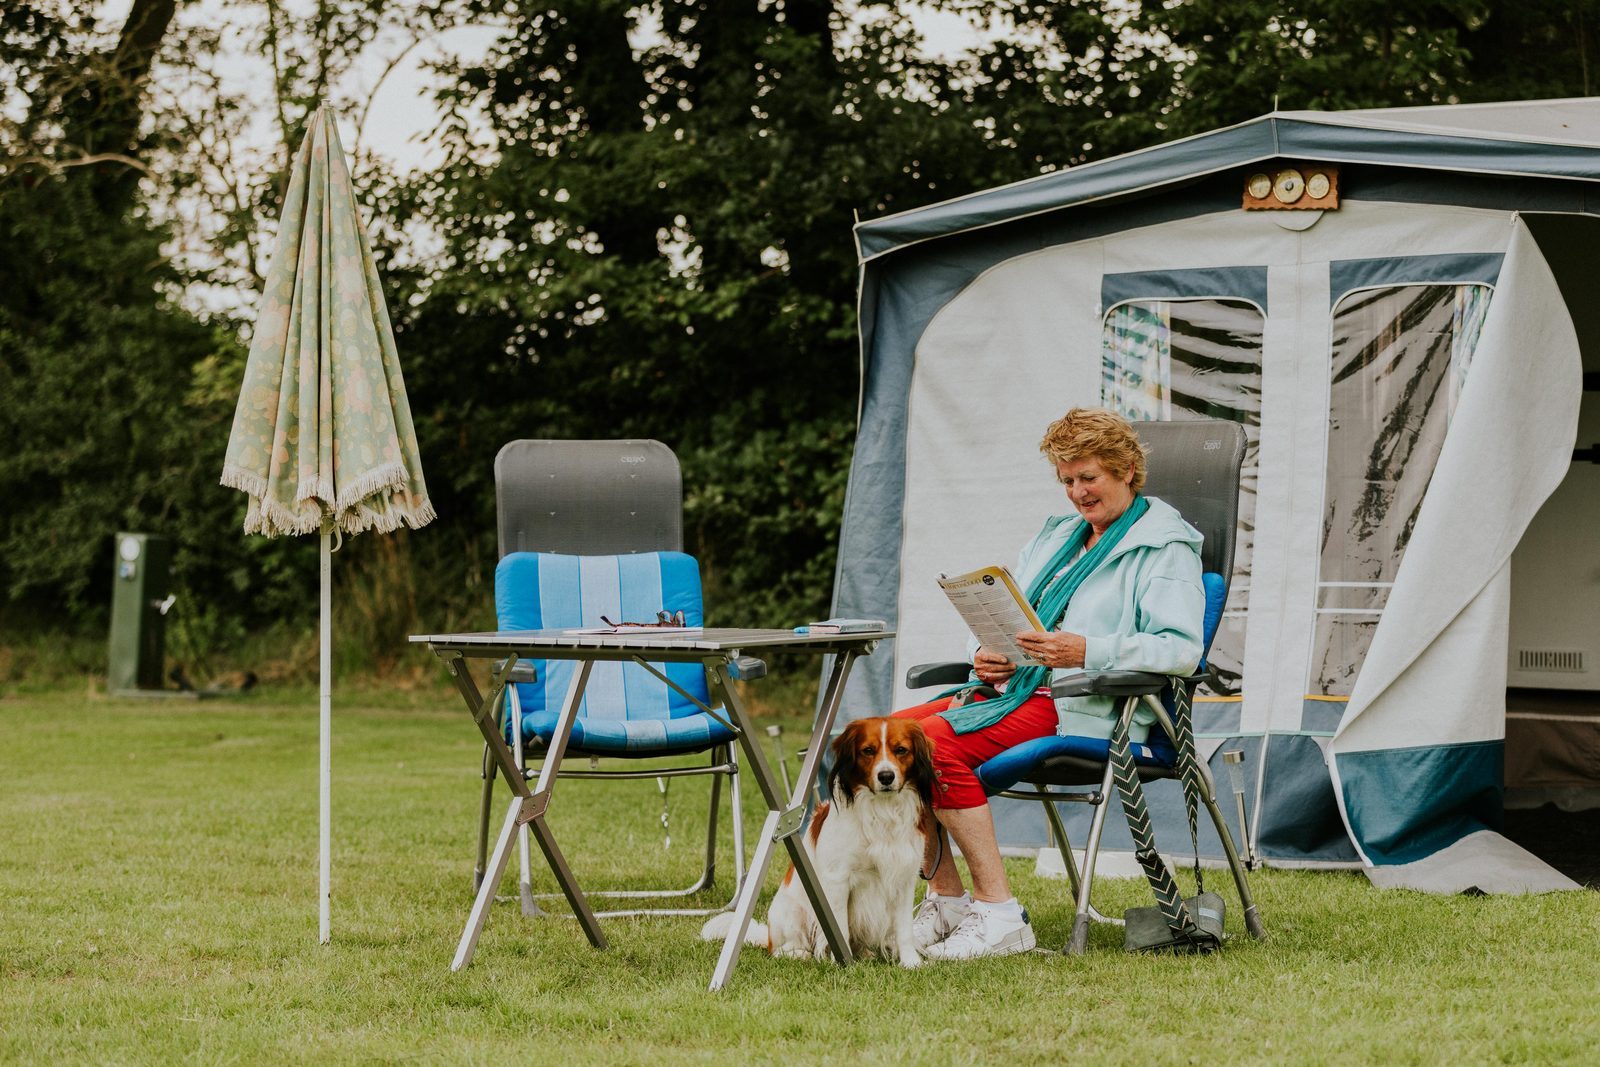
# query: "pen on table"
{"type": "Point", "coordinates": [802, 629]}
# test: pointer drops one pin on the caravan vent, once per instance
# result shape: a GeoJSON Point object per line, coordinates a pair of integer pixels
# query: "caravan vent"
{"type": "Point", "coordinates": [1544, 659]}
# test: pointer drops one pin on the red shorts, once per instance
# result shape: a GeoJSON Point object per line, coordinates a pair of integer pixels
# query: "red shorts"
{"type": "Point", "coordinates": [955, 756]}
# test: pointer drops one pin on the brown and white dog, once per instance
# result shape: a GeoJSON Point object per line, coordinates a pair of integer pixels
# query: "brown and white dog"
{"type": "Point", "coordinates": [866, 844]}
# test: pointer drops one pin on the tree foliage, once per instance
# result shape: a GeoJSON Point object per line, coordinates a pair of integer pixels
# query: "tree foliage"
{"type": "Point", "coordinates": [95, 358]}
{"type": "Point", "coordinates": [658, 245]}
{"type": "Point", "coordinates": [640, 228]}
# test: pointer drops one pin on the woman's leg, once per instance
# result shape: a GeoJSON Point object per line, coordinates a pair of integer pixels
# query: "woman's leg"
{"type": "Point", "coordinates": [972, 829]}
{"type": "Point", "coordinates": [962, 808]}
{"type": "Point", "coordinates": [959, 801]}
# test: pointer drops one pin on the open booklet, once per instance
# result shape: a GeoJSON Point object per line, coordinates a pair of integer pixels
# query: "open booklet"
{"type": "Point", "coordinates": [994, 609]}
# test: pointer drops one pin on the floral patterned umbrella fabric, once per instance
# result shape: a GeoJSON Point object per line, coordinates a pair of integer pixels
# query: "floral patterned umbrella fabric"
{"type": "Point", "coordinates": [322, 434]}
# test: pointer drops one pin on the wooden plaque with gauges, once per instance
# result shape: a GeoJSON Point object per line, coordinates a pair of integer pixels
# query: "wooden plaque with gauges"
{"type": "Point", "coordinates": [1293, 187]}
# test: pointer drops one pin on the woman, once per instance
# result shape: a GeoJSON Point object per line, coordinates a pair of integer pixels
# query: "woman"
{"type": "Point", "coordinates": [1118, 585]}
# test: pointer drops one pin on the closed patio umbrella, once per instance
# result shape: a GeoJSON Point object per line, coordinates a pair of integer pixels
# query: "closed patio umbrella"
{"type": "Point", "coordinates": [322, 439]}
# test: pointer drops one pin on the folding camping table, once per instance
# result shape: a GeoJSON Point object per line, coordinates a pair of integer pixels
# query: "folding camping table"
{"type": "Point", "coordinates": [722, 652]}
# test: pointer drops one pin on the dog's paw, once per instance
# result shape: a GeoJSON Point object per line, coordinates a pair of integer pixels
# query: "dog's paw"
{"type": "Point", "coordinates": [910, 960]}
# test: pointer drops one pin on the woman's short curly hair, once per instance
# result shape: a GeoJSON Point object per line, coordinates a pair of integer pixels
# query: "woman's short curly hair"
{"type": "Point", "coordinates": [1095, 433]}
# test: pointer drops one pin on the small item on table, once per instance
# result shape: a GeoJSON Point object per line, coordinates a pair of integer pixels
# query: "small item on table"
{"type": "Point", "coordinates": [663, 619]}
{"type": "Point", "coordinates": [842, 626]}
{"type": "Point", "coordinates": [666, 622]}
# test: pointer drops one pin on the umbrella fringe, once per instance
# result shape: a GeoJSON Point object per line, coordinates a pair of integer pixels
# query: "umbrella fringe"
{"type": "Point", "coordinates": [246, 481]}
{"type": "Point", "coordinates": [388, 476]}
{"type": "Point", "coordinates": [269, 518]}
{"type": "Point", "coordinates": [314, 487]}
{"type": "Point", "coordinates": [363, 507]}
{"type": "Point", "coordinates": [363, 517]}
{"type": "Point", "coordinates": [265, 515]}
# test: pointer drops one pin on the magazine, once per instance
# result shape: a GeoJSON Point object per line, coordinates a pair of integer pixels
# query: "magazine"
{"type": "Point", "coordinates": [994, 608]}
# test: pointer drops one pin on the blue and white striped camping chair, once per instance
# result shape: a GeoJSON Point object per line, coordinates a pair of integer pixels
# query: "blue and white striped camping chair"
{"type": "Point", "coordinates": [626, 710]}
{"type": "Point", "coordinates": [589, 531]}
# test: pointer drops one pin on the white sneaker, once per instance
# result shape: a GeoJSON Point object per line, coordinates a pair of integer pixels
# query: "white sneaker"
{"type": "Point", "coordinates": [986, 932]}
{"type": "Point", "coordinates": [936, 918]}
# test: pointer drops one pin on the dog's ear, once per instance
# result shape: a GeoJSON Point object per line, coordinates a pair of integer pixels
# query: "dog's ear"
{"type": "Point", "coordinates": [922, 765]}
{"type": "Point", "coordinates": [845, 776]}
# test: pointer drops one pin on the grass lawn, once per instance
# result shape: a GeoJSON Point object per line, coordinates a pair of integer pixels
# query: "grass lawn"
{"type": "Point", "coordinates": [158, 868]}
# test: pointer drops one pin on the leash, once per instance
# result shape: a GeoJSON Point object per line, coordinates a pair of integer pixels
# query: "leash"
{"type": "Point", "coordinates": [938, 856]}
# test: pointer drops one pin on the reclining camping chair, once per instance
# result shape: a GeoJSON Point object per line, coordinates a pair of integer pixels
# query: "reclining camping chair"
{"type": "Point", "coordinates": [590, 529]}
{"type": "Point", "coordinates": [1194, 466]}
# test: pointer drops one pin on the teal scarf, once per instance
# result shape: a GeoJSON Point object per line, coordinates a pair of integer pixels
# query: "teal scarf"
{"type": "Point", "coordinates": [1049, 593]}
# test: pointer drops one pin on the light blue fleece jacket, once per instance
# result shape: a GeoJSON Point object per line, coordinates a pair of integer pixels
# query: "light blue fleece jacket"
{"type": "Point", "coordinates": [1143, 609]}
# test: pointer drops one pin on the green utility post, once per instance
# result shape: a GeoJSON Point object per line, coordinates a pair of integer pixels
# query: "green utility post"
{"type": "Point", "coordinates": [139, 603]}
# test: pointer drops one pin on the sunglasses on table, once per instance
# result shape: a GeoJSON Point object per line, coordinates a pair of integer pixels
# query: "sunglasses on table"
{"type": "Point", "coordinates": [663, 618]}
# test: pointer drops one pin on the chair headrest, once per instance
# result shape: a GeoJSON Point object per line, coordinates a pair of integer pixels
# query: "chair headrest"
{"type": "Point", "coordinates": [1194, 466]}
{"type": "Point", "coordinates": [588, 497]}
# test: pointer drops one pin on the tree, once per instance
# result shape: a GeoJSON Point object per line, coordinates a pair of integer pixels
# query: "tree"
{"type": "Point", "coordinates": [1532, 50]}
{"type": "Point", "coordinates": [94, 359]}
{"type": "Point", "coordinates": [642, 228]}
{"type": "Point", "coordinates": [119, 395]}
{"type": "Point", "coordinates": [658, 245]}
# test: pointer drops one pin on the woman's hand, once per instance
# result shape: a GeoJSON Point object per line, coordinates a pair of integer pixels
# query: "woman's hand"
{"type": "Point", "coordinates": [1053, 649]}
{"type": "Point", "coordinates": [992, 668]}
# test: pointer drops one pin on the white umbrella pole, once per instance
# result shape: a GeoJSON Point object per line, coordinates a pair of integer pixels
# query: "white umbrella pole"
{"type": "Point", "coordinates": [326, 670]}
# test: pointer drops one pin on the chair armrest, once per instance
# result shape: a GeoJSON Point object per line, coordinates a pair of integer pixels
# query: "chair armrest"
{"type": "Point", "coordinates": [949, 672]}
{"type": "Point", "coordinates": [748, 668]}
{"type": "Point", "coordinates": [523, 671]}
{"type": "Point", "coordinates": [1110, 683]}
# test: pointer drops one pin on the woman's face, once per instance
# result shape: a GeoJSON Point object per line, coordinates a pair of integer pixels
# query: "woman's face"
{"type": "Point", "coordinates": [1100, 496]}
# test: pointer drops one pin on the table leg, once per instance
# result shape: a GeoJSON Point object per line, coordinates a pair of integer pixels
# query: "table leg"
{"type": "Point", "coordinates": [480, 710]}
{"type": "Point", "coordinates": [755, 875]}
{"type": "Point", "coordinates": [528, 806]}
{"type": "Point", "coordinates": [821, 730]}
{"type": "Point", "coordinates": [483, 818]}
{"type": "Point", "coordinates": [486, 890]}
{"type": "Point", "coordinates": [785, 819]}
